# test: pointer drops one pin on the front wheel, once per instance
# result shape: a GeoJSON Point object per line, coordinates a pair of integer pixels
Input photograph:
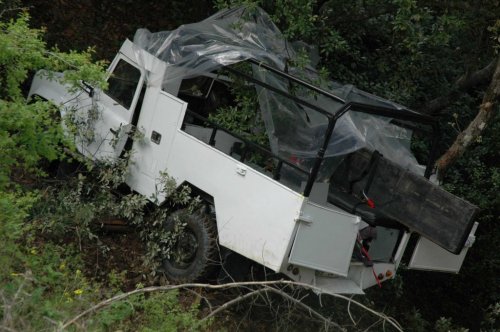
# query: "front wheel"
{"type": "Point", "coordinates": [193, 249]}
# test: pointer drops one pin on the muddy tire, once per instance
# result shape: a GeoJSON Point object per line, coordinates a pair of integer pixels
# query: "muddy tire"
{"type": "Point", "coordinates": [194, 253]}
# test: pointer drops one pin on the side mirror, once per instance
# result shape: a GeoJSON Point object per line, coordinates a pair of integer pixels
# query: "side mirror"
{"type": "Point", "coordinates": [88, 88]}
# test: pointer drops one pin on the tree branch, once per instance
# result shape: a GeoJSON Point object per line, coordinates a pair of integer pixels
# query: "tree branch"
{"type": "Point", "coordinates": [123, 296]}
{"type": "Point", "coordinates": [233, 302]}
{"type": "Point", "coordinates": [311, 311]}
{"type": "Point", "coordinates": [463, 84]}
{"type": "Point", "coordinates": [475, 128]}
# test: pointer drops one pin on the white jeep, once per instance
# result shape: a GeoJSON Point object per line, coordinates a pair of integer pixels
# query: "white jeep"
{"type": "Point", "coordinates": [331, 199]}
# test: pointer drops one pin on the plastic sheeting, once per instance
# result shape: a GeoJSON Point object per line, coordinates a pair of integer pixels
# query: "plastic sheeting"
{"type": "Point", "coordinates": [235, 35]}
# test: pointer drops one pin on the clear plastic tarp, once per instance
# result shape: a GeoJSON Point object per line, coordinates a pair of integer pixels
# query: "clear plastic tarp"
{"type": "Point", "coordinates": [234, 35]}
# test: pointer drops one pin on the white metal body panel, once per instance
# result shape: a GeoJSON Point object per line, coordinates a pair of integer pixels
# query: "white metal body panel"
{"type": "Point", "coordinates": [161, 114]}
{"type": "Point", "coordinates": [429, 256]}
{"type": "Point", "coordinates": [112, 127]}
{"type": "Point", "coordinates": [111, 124]}
{"type": "Point", "coordinates": [99, 147]}
{"type": "Point", "coordinates": [338, 285]}
{"type": "Point", "coordinates": [106, 145]}
{"type": "Point", "coordinates": [223, 141]}
{"type": "Point", "coordinates": [364, 275]}
{"type": "Point", "coordinates": [398, 256]}
{"type": "Point", "coordinates": [326, 282]}
{"type": "Point", "coordinates": [325, 239]}
{"type": "Point", "coordinates": [53, 90]}
{"type": "Point", "coordinates": [255, 214]}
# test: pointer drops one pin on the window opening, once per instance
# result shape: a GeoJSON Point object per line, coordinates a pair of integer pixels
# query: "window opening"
{"type": "Point", "coordinates": [122, 83]}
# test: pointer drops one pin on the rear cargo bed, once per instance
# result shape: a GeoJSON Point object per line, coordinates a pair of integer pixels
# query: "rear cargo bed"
{"type": "Point", "coordinates": [404, 197]}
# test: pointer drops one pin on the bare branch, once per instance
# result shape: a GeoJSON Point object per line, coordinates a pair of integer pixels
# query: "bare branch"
{"type": "Point", "coordinates": [476, 127]}
{"type": "Point", "coordinates": [8, 304]}
{"type": "Point", "coordinates": [463, 84]}
{"type": "Point", "coordinates": [350, 314]}
{"type": "Point", "coordinates": [374, 324]}
{"type": "Point", "coordinates": [151, 289]}
{"type": "Point", "coordinates": [233, 302]}
{"type": "Point", "coordinates": [476, 78]}
{"type": "Point", "coordinates": [311, 311]}
{"type": "Point", "coordinates": [204, 298]}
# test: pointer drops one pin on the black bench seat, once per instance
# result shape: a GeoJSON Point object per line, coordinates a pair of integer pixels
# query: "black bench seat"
{"type": "Point", "coordinates": [351, 204]}
{"type": "Point", "coordinates": [401, 197]}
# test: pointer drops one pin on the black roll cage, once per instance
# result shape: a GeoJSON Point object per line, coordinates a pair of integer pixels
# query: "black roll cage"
{"type": "Point", "coordinates": [399, 114]}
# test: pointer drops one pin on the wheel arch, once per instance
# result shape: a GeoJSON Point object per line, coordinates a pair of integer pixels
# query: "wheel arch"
{"type": "Point", "coordinates": [196, 191]}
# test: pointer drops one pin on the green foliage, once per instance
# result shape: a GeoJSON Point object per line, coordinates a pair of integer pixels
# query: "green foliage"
{"type": "Point", "coordinates": [158, 312]}
{"type": "Point", "coordinates": [476, 176]}
{"type": "Point", "coordinates": [415, 322]}
{"type": "Point", "coordinates": [116, 316]}
{"type": "Point", "coordinates": [23, 50]}
{"type": "Point", "coordinates": [77, 206]}
{"type": "Point", "coordinates": [298, 18]}
{"type": "Point", "coordinates": [223, 4]}
{"type": "Point", "coordinates": [495, 35]}
{"type": "Point", "coordinates": [492, 318]}
{"type": "Point", "coordinates": [446, 325]}
{"type": "Point", "coordinates": [28, 134]}
{"type": "Point", "coordinates": [163, 313]}
{"type": "Point", "coordinates": [53, 289]}
{"type": "Point", "coordinates": [48, 287]}
{"type": "Point", "coordinates": [243, 118]}
{"type": "Point", "coordinates": [152, 229]}
{"type": "Point", "coordinates": [394, 48]}
{"type": "Point", "coordinates": [42, 283]}
{"type": "Point", "coordinates": [14, 207]}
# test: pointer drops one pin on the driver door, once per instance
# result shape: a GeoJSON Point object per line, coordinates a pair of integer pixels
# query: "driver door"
{"type": "Point", "coordinates": [115, 111]}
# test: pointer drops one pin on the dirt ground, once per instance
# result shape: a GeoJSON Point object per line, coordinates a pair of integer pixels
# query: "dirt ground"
{"type": "Point", "coordinates": [120, 253]}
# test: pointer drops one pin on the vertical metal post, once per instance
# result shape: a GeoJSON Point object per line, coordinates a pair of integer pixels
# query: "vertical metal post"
{"type": "Point", "coordinates": [277, 171]}
{"type": "Point", "coordinates": [319, 157]}
{"type": "Point", "coordinates": [244, 153]}
{"type": "Point", "coordinates": [211, 142]}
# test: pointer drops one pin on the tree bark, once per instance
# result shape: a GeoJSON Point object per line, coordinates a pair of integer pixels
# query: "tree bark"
{"type": "Point", "coordinates": [487, 111]}
{"type": "Point", "coordinates": [463, 84]}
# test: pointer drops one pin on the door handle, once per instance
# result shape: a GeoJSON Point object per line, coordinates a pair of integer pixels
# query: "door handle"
{"type": "Point", "coordinates": [241, 170]}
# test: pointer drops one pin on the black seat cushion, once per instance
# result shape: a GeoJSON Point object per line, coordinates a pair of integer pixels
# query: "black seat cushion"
{"type": "Point", "coordinates": [404, 197]}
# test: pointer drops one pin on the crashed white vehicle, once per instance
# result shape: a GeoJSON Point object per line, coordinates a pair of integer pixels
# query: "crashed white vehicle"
{"type": "Point", "coordinates": [333, 197]}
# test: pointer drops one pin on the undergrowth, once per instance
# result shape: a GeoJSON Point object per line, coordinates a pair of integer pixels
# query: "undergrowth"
{"type": "Point", "coordinates": [46, 280]}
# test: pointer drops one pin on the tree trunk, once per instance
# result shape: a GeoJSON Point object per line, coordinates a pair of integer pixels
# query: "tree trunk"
{"type": "Point", "coordinates": [463, 84]}
{"type": "Point", "coordinates": [475, 128]}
